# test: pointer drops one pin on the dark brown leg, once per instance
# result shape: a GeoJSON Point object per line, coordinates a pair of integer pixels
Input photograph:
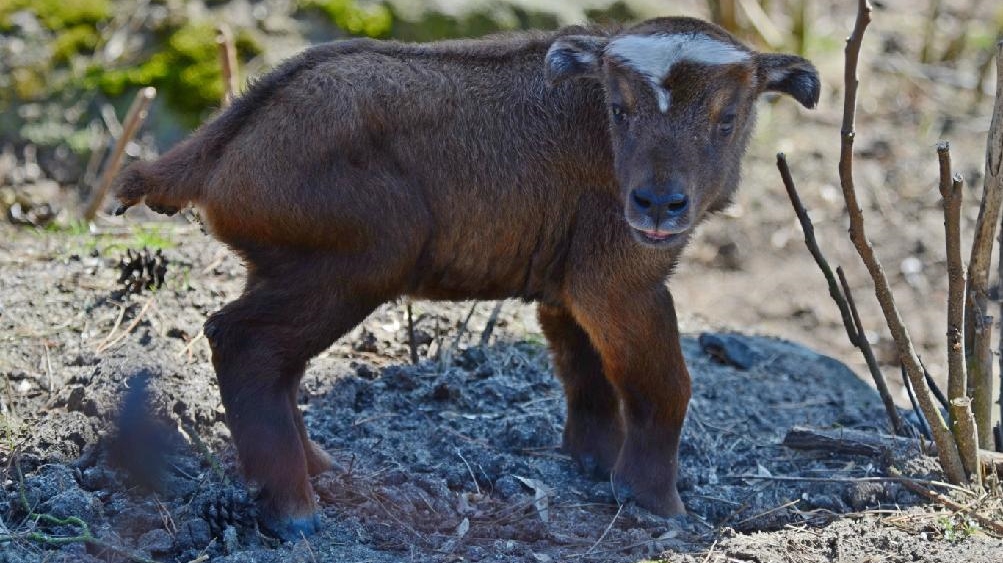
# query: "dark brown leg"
{"type": "Point", "coordinates": [260, 345]}
{"type": "Point", "coordinates": [594, 431]}
{"type": "Point", "coordinates": [317, 460]}
{"type": "Point", "coordinates": [637, 338]}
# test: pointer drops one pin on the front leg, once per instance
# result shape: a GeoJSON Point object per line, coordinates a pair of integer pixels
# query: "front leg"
{"type": "Point", "coordinates": [637, 337]}
{"type": "Point", "coordinates": [593, 433]}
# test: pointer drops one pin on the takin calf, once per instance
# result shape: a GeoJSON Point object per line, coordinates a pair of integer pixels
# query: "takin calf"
{"type": "Point", "coordinates": [567, 168]}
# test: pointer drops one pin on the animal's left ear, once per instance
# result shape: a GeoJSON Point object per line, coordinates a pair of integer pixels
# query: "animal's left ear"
{"type": "Point", "coordinates": [574, 56]}
{"type": "Point", "coordinates": [791, 75]}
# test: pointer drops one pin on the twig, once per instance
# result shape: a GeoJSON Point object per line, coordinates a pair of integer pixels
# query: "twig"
{"type": "Point", "coordinates": [898, 425]}
{"type": "Point", "coordinates": [469, 469]}
{"type": "Point", "coordinates": [136, 116]}
{"type": "Point", "coordinates": [988, 523]}
{"type": "Point", "coordinates": [412, 342]}
{"type": "Point", "coordinates": [924, 426]}
{"type": "Point", "coordinates": [203, 449]}
{"type": "Point", "coordinates": [710, 552]}
{"type": "Point", "coordinates": [963, 426]}
{"type": "Point", "coordinates": [950, 190]}
{"type": "Point", "coordinates": [228, 62]}
{"type": "Point", "coordinates": [809, 239]}
{"type": "Point", "coordinates": [843, 298]}
{"type": "Point", "coordinates": [764, 513]}
{"type": "Point", "coordinates": [609, 527]}
{"type": "Point", "coordinates": [489, 327]}
{"type": "Point", "coordinates": [950, 459]}
{"type": "Point", "coordinates": [135, 322]}
{"type": "Point", "coordinates": [934, 388]}
{"type": "Point", "coordinates": [978, 326]}
{"type": "Point", "coordinates": [445, 359]}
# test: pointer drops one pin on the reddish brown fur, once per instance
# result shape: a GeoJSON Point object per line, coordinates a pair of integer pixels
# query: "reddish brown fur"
{"type": "Point", "coordinates": [361, 171]}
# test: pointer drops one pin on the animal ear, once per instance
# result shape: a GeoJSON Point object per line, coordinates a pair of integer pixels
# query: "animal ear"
{"type": "Point", "coordinates": [574, 56]}
{"type": "Point", "coordinates": [791, 75]}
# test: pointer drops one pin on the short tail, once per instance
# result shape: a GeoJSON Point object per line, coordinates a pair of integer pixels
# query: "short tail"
{"type": "Point", "coordinates": [166, 185]}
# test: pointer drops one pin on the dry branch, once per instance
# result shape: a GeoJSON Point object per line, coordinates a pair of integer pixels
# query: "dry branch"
{"type": "Point", "coordinates": [135, 117]}
{"type": "Point", "coordinates": [858, 442]}
{"type": "Point", "coordinates": [898, 425]}
{"type": "Point", "coordinates": [228, 62]}
{"type": "Point", "coordinates": [844, 300]}
{"type": "Point", "coordinates": [950, 460]}
{"type": "Point", "coordinates": [985, 522]}
{"type": "Point", "coordinates": [978, 325]}
{"type": "Point", "coordinates": [966, 434]}
{"type": "Point", "coordinates": [994, 179]}
{"type": "Point", "coordinates": [950, 190]}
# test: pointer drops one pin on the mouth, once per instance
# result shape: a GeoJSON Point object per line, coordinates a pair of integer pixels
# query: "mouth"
{"type": "Point", "coordinates": [658, 237]}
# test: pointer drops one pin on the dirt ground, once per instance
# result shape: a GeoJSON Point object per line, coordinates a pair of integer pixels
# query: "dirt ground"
{"type": "Point", "coordinates": [454, 458]}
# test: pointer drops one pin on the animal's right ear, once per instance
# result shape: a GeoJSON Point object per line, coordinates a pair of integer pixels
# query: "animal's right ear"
{"type": "Point", "coordinates": [574, 56]}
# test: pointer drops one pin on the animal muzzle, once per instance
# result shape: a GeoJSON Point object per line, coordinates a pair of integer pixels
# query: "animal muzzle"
{"type": "Point", "coordinates": [658, 215]}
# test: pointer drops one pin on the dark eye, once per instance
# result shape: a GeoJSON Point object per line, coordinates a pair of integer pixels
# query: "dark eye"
{"type": "Point", "coordinates": [619, 114]}
{"type": "Point", "coordinates": [727, 124]}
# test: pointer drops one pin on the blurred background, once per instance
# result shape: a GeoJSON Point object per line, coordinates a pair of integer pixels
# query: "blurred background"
{"type": "Point", "coordinates": [69, 70]}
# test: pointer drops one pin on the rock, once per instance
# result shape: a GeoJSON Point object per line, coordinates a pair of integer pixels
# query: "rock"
{"type": "Point", "coordinates": [155, 541]}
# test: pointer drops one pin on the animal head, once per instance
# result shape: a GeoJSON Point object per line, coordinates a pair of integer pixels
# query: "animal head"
{"type": "Point", "coordinates": [681, 103]}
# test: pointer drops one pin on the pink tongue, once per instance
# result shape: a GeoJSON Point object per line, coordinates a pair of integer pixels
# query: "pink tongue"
{"type": "Point", "coordinates": [657, 234]}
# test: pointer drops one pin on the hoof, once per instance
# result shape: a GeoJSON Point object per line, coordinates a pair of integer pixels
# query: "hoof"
{"type": "Point", "coordinates": [291, 529]}
{"type": "Point", "coordinates": [121, 209]}
{"type": "Point", "coordinates": [665, 503]}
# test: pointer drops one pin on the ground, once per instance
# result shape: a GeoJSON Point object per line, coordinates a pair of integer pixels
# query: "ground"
{"type": "Point", "coordinates": [454, 458]}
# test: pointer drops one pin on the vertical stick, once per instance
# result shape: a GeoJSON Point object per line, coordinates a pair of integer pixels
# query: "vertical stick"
{"type": "Point", "coordinates": [947, 449]}
{"type": "Point", "coordinates": [994, 177]}
{"type": "Point", "coordinates": [950, 190]}
{"type": "Point", "coordinates": [137, 114]}
{"type": "Point", "coordinates": [967, 436]}
{"type": "Point", "coordinates": [228, 61]}
{"type": "Point", "coordinates": [978, 324]}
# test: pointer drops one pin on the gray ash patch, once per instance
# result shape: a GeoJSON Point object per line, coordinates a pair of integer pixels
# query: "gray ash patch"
{"type": "Point", "coordinates": [438, 461]}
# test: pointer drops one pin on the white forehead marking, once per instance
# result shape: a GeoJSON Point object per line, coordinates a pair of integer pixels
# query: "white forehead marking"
{"type": "Point", "coordinates": [655, 55]}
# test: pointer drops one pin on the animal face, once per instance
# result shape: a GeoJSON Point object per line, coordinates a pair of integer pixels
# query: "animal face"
{"type": "Point", "coordinates": [681, 103]}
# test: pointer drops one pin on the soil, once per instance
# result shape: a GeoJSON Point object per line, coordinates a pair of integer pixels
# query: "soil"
{"type": "Point", "coordinates": [111, 414]}
{"type": "Point", "coordinates": [115, 419]}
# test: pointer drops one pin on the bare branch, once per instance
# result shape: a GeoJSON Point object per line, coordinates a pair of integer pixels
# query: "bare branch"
{"type": "Point", "coordinates": [228, 62]}
{"type": "Point", "coordinates": [809, 239]}
{"type": "Point", "coordinates": [135, 118]}
{"type": "Point", "coordinates": [978, 325]}
{"type": "Point", "coordinates": [844, 300]}
{"type": "Point", "coordinates": [950, 190]}
{"type": "Point", "coordinates": [950, 459]}
{"type": "Point", "coordinates": [967, 437]}
{"type": "Point", "coordinates": [898, 425]}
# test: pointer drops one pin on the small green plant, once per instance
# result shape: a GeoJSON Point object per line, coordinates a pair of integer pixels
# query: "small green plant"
{"type": "Point", "coordinates": [957, 527]}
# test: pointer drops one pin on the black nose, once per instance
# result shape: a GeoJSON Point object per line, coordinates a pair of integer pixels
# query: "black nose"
{"type": "Point", "coordinates": [656, 205]}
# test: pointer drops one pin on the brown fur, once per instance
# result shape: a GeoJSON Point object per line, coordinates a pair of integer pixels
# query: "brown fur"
{"type": "Point", "coordinates": [361, 171]}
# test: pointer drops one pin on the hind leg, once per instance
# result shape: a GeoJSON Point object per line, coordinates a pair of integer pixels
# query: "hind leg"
{"type": "Point", "coordinates": [593, 433]}
{"type": "Point", "coordinates": [317, 460]}
{"type": "Point", "coordinates": [260, 345]}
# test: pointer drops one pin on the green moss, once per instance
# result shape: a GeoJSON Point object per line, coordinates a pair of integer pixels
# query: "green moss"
{"type": "Point", "coordinates": [58, 14]}
{"type": "Point", "coordinates": [185, 70]}
{"type": "Point", "coordinates": [80, 39]}
{"type": "Point", "coordinates": [28, 83]}
{"type": "Point", "coordinates": [374, 21]}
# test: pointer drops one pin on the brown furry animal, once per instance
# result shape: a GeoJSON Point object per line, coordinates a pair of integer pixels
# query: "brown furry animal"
{"type": "Point", "coordinates": [567, 168]}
